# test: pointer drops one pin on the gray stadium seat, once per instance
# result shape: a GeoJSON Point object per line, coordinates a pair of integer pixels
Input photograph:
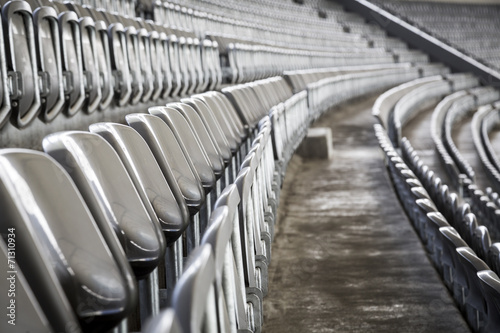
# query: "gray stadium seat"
{"type": "Point", "coordinates": [490, 286]}
{"type": "Point", "coordinates": [165, 197]}
{"type": "Point", "coordinates": [113, 199]}
{"type": "Point", "coordinates": [48, 46]}
{"type": "Point", "coordinates": [174, 165]}
{"type": "Point", "coordinates": [20, 56]}
{"type": "Point", "coordinates": [60, 248]}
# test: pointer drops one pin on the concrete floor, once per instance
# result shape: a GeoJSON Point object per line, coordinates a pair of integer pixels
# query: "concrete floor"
{"type": "Point", "coordinates": [345, 257]}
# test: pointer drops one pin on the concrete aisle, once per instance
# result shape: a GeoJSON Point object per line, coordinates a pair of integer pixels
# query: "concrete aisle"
{"type": "Point", "coordinates": [345, 258]}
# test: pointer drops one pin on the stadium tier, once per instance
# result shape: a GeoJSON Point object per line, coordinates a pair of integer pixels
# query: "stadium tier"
{"type": "Point", "coordinates": [150, 177]}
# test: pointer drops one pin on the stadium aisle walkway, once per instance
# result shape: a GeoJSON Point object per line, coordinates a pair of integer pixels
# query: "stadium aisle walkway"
{"type": "Point", "coordinates": [345, 258]}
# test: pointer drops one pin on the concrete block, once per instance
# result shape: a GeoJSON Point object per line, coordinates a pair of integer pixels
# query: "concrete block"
{"type": "Point", "coordinates": [317, 144]}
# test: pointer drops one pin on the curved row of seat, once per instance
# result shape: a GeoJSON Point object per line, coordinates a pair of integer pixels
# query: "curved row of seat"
{"type": "Point", "coordinates": [98, 56]}
{"type": "Point", "coordinates": [108, 205]}
{"type": "Point", "coordinates": [484, 120]}
{"type": "Point", "coordinates": [300, 79]}
{"type": "Point", "coordinates": [337, 89]}
{"type": "Point", "coordinates": [117, 209]}
{"type": "Point", "coordinates": [173, 208]}
{"type": "Point", "coordinates": [419, 98]}
{"type": "Point", "coordinates": [69, 58]}
{"type": "Point", "coordinates": [458, 104]}
{"type": "Point", "coordinates": [450, 111]}
{"type": "Point", "coordinates": [437, 218]}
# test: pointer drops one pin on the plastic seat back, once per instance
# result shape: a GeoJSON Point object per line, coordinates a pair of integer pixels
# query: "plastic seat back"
{"type": "Point", "coordinates": [170, 157]}
{"type": "Point", "coordinates": [58, 239]}
{"type": "Point", "coordinates": [20, 56]}
{"type": "Point", "coordinates": [189, 143]}
{"type": "Point", "coordinates": [110, 195]}
{"type": "Point", "coordinates": [166, 201]}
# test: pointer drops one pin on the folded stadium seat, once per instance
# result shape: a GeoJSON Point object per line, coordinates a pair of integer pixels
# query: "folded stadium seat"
{"type": "Point", "coordinates": [206, 141]}
{"type": "Point", "coordinates": [226, 123]}
{"type": "Point", "coordinates": [230, 111]}
{"type": "Point", "coordinates": [467, 226]}
{"type": "Point", "coordinates": [187, 79]}
{"type": "Point", "coordinates": [128, 41]}
{"type": "Point", "coordinates": [296, 119]}
{"type": "Point", "coordinates": [22, 297]}
{"type": "Point", "coordinates": [164, 195]}
{"type": "Point", "coordinates": [21, 62]}
{"type": "Point", "coordinates": [92, 59]}
{"type": "Point", "coordinates": [270, 192]}
{"type": "Point", "coordinates": [266, 173]}
{"type": "Point", "coordinates": [194, 296]}
{"type": "Point", "coordinates": [102, 52]}
{"type": "Point", "coordinates": [175, 166]}
{"type": "Point", "coordinates": [218, 235]}
{"type": "Point", "coordinates": [5, 109]}
{"type": "Point", "coordinates": [216, 135]}
{"type": "Point", "coordinates": [60, 248]}
{"type": "Point", "coordinates": [113, 199]}
{"type": "Point", "coordinates": [153, 55]}
{"type": "Point", "coordinates": [426, 232]}
{"type": "Point", "coordinates": [96, 59]}
{"type": "Point", "coordinates": [174, 57]}
{"type": "Point", "coordinates": [194, 151]}
{"type": "Point", "coordinates": [473, 300]}
{"type": "Point", "coordinates": [143, 57]}
{"type": "Point", "coordinates": [48, 45]}
{"type": "Point", "coordinates": [278, 133]}
{"type": "Point", "coordinates": [253, 252]}
{"type": "Point", "coordinates": [449, 258]}
{"type": "Point", "coordinates": [262, 233]}
{"type": "Point", "coordinates": [72, 57]}
{"type": "Point", "coordinates": [207, 65]}
{"type": "Point", "coordinates": [186, 50]}
{"type": "Point", "coordinates": [481, 241]}
{"type": "Point", "coordinates": [196, 62]}
{"type": "Point", "coordinates": [247, 298]}
{"type": "Point", "coordinates": [215, 58]}
{"type": "Point", "coordinates": [461, 212]}
{"type": "Point", "coordinates": [435, 221]}
{"type": "Point", "coordinates": [121, 76]}
{"type": "Point", "coordinates": [163, 58]}
{"type": "Point", "coordinates": [190, 64]}
{"type": "Point", "coordinates": [160, 59]}
{"type": "Point", "coordinates": [415, 213]}
{"type": "Point", "coordinates": [93, 95]}
{"type": "Point", "coordinates": [490, 286]}
{"type": "Point", "coordinates": [246, 103]}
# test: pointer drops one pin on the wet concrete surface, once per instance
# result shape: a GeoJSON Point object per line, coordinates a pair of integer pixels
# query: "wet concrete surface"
{"type": "Point", "coordinates": [345, 257]}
